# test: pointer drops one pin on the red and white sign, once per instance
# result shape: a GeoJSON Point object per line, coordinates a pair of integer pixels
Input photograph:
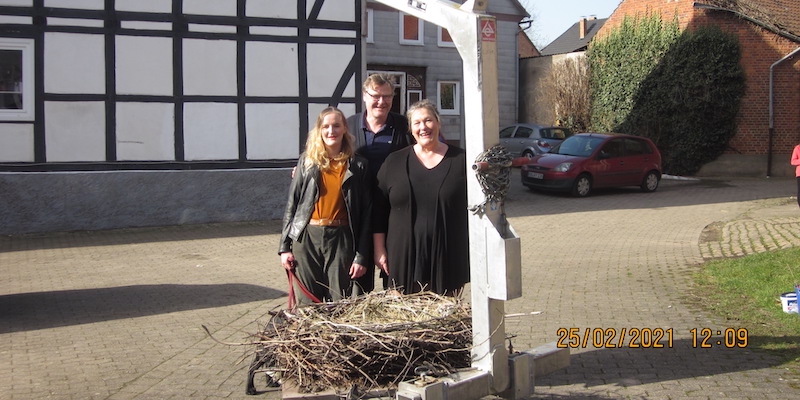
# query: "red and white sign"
{"type": "Point", "coordinates": [488, 30]}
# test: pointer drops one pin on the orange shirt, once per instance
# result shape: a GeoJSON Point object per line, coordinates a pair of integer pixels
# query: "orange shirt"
{"type": "Point", "coordinates": [330, 204]}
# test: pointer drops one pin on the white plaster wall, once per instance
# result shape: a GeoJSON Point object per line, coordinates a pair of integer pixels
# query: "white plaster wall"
{"type": "Point", "coordinates": [144, 65]}
{"type": "Point", "coordinates": [271, 69]}
{"type": "Point", "coordinates": [18, 2]}
{"type": "Point", "coordinates": [338, 10]}
{"type": "Point", "coordinates": [348, 109]}
{"type": "Point", "coordinates": [210, 7]}
{"type": "Point", "coordinates": [10, 19]}
{"type": "Point", "coordinates": [272, 131]}
{"type": "Point", "coordinates": [16, 143]}
{"type": "Point", "coordinates": [273, 30]}
{"type": "Point", "coordinates": [143, 5]}
{"type": "Point", "coordinates": [331, 33]}
{"type": "Point", "coordinates": [145, 132]}
{"type": "Point", "coordinates": [93, 23]}
{"type": "Point", "coordinates": [326, 62]}
{"type": "Point", "coordinates": [272, 8]}
{"type": "Point", "coordinates": [210, 131]}
{"type": "Point", "coordinates": [75, 131]}
{"type": "Point", "coordinates": [212, 28]}
{"type": "Point", "coordinates": [74, 63]}
{"type": "Point", "coordinates": [209, 67]}
{"type": "Point", "coordinates": [81, 4]}
{"type": "Point", "coordinates": [158, 26]}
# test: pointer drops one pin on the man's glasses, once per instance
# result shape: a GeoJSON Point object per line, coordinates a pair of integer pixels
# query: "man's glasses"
{"type": "Point", "coordinates": [376, 97]}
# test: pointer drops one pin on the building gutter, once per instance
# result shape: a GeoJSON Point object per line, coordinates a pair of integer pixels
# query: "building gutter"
{"type": "Point", "coordinates": [778, 32]}
{"type": "Point", "coordinates": [772, 106]}
{"type": "Point", "coordinates": [769, 27]}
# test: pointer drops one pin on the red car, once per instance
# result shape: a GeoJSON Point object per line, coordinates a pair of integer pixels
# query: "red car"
{"type": "Point", "coordinates": [586, 161]}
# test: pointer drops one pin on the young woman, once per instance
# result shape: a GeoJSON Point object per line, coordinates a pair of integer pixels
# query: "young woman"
{"type": "Point", "coordinates": [421, 230]}
{"type": "Point", "coordinates": [326, 235]}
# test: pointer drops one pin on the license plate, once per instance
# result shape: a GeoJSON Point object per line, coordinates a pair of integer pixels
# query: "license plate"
{"type": "Point", "coordinates": [535, 175]}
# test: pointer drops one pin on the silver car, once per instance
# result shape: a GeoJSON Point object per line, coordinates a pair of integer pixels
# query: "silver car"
{"type": "Point", "coordinates": [529, 140]}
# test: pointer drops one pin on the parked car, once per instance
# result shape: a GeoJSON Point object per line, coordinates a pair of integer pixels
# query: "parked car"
{"type": "Point", "coordinates": [586, 161]}
{"type": "Point", "coordinates": [528, 140]}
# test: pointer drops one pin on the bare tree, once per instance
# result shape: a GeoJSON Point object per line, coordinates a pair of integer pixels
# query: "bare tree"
{"type": "Point", "coordinates": [529, 24]}
{"type": "Point", "coordinates": [566, 87]}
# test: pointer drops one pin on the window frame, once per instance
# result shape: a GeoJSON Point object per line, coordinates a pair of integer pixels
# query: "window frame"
{"type": "Point", "coordinates": [419, 41]}
{"type": "Point", "coordinates": [456, 110]}
{"type": "Point", "coordinates": [26, 45]}
{"type": "Point", "coordinates": [416, 93]}
{"type": "Point", "coordinates": [370, 37]}
{"type": "Point", "coordinates": [441, 41]}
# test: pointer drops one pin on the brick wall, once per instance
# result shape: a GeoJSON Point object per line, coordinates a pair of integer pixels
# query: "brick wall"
{"type": "Point", "coordinates": [760, 49]}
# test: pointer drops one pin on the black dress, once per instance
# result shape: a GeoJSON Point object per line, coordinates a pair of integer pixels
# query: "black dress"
{"type": "Point", "coordinates": [423, 213]}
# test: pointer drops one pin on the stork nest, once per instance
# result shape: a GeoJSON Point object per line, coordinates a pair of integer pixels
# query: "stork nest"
{"type": "Point", "coordinates": [373, 341]}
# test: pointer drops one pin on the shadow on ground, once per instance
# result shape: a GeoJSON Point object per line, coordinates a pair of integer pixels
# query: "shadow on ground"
{"type": "Point", "coordinates": [608, 370]}
{"type": "Point", "coordinates": [51, 240]}
{"type": "Point", "coordinates": [43, 310]}
{"type": "Point", "coordinates": [522, 201]}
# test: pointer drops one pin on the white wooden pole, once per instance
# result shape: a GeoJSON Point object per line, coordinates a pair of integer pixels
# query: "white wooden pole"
{"type": "Point", "coordinates": [491, 252]}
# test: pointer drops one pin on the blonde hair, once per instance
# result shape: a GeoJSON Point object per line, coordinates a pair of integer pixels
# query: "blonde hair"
{"type": "Point", "coordinates": [377, 80]}
{"type": "Point", "coordinates": [316, 154]}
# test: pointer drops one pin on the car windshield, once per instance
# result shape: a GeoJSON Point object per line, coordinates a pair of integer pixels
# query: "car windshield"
{"type": "Point", "coordinates": [581, 146]}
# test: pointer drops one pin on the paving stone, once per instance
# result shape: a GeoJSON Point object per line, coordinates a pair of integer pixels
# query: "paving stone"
{"type": "Point", "coordinates": [118, 314]}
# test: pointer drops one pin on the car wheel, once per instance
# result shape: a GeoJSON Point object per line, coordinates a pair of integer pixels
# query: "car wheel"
{"type": "Point", "coordinates": [582, 186]}
{"type": "Point", "coordinates": [527, 154]}
{"type": "Point", "coordinates": [650, 182]}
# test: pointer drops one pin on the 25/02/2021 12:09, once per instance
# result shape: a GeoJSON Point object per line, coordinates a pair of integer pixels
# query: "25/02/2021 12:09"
{"type": "Point", "coordinates": [654, 338]}
{"type": "Point", "coordinates": [705, 338]}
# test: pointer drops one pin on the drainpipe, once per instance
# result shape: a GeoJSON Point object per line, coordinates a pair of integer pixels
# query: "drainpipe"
{"type": "Point", "coordinates": [780, 32]}
{"type": "Point", "coordinates": [771, 107]}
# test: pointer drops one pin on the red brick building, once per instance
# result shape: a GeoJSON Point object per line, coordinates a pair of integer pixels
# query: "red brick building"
{"type": "Point", "coordinates": [768, 124]}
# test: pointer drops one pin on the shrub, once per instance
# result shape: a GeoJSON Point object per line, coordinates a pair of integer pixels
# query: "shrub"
{"type": "Point", "coordinates": [681, 90]}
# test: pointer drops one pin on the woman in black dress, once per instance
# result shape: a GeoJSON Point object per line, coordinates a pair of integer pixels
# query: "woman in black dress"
{"type": "Point", "coordinates": [421, 237]}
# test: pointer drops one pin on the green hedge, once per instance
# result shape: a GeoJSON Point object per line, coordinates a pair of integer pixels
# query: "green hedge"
{"type": "Point", "coordinates": [681, 89]}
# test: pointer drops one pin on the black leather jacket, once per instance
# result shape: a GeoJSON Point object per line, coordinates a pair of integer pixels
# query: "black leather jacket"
{"type": "Point", "coordinates": [304, 193]}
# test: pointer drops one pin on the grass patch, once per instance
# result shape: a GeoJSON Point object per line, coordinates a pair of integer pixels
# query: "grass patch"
{"type": "Point", "coordinates": [747, 292]}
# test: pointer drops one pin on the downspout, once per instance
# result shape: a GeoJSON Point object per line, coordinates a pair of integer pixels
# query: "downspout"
{"type": "Point", "coordinates": [779, 32]}
{"type": "Point", "coordinates": [772, 106]}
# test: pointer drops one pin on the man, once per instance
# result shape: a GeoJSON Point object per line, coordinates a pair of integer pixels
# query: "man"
{"type": "Point", "coordinates": [378, 131]}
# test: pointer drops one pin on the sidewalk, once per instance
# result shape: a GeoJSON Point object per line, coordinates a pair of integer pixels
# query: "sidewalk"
{"type": "Point", "coordinates": [118, 314]}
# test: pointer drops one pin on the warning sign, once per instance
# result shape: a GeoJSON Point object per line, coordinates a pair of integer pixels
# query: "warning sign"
{"type": "Point", "coordinates": [488, 30]}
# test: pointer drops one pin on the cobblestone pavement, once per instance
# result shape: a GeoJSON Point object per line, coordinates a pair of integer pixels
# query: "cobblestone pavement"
{"type": "Point", "coordinates": [118, 314]}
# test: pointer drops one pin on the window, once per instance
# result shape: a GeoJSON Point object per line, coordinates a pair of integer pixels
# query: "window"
{"type": "Point", "coordinates": [636, 147]}
{"type": "Point", "coordinates": [16, 79]}
{"type": "Point", "coordinates": [444, 38]}
{"type": "Point", "coordinates": [414, 96]}
{"type": "Point", "coordinates": [370, 26]}
{"type": "Point", "coordinates": [612, 149]}
{"type": "Point", "coordinates": [524, 133]}
{"type": "Point", "coordinates": [449, 95]}
{"type": "Point", "coordinates": [411, 30]}
{"type": "Point", "coordinates": [507, 132]}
